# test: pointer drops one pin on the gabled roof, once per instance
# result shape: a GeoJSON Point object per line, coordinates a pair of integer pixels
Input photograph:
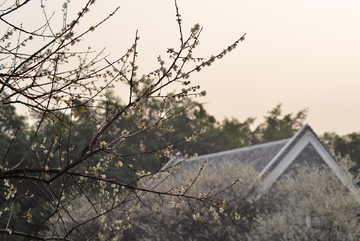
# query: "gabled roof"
{"type": "Point", "coordinates": [274, 158]}
{"type": "Point", "coordinates": [259, 155]}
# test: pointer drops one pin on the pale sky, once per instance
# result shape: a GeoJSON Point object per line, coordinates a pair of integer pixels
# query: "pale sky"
{"type": "Point", "coordinates": [304, 54]}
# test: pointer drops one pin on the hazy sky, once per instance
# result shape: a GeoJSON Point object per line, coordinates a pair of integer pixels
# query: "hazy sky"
{"type": "Point", "coordinates": [304, 54]}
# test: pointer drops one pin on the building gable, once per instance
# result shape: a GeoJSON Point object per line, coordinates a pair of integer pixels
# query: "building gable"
{"type": "Point", "coordinates": [304, 137]}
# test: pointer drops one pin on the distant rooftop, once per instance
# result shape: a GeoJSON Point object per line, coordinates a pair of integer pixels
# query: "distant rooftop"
{"type": "Point", "coordinates": [257, 155]}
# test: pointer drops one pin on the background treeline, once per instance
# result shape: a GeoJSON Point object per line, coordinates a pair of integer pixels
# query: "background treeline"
{"type": "Point", "coordinates": [76, 132]}
{"type": "Point", "coordinates": [219, 136]}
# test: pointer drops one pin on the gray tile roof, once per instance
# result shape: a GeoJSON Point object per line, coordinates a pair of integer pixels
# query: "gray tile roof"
{"type": "Point", "coordinates": [262, 157]}
{"type": "Point", "coordinates": [258, 156]}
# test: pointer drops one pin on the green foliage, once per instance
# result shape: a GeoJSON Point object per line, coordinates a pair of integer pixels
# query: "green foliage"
{"type": "Point", "coordinates": [276, 128]}
{"type": "Point", "coordinates": [344, 145]}
{"type": "Point", "coordinates": [231, 134]}
{"type": "Point", "coordinates": [13, 130]}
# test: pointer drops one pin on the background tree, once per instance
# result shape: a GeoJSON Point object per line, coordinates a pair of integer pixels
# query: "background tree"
{"type": "Point", "coordinates": [78, 164]}
{"type": "Point", "coordinates": [232, 133]}
{"type": "Point", "coordinates": [276, 128]}
{"type": "Point", "coordinates": [344, 145]}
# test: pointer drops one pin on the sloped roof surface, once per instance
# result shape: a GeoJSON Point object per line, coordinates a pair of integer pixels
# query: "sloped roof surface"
{"type": "Point", "coordinates": [258, 156]}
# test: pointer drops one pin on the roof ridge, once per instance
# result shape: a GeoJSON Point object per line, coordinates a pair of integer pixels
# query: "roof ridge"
{"type": "Point", "coordinates": [327, 149]}
{"type": "Point", "coordinates": [288, 146]}
{"type": "Point", "coordinates": [245, 148]}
